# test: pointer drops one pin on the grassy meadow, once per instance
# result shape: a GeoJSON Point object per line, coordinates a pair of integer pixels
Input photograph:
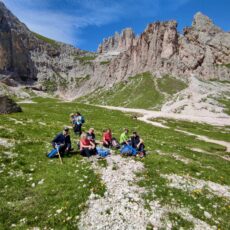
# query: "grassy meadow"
{"type": "Point", "coordinates": [40, 192]}
{"type": "Point", "coordinates": [140, 91]}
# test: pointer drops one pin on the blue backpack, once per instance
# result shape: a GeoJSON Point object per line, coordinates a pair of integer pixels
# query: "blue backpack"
{"type": "Point", "coordinates": [52, 153]}
{"type": "Point", "coordinates": [128, 150]}
{"type": "Point", "coordinates": [82, 120]}
{"type": "Point", "coordinates": [103, 152]}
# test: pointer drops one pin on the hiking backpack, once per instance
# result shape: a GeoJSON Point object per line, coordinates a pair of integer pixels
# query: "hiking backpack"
{"type": "Point", "coordinates": [103, 152]}
{"type": "Point", "coordinates": [128, 150]}
{"type": "Point", "coordinates": [82, 120]}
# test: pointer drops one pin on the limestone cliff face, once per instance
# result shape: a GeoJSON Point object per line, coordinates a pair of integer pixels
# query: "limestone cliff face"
{"type": "Point", "coordinates": [29, 58]}
{"type": "Point", "coordinates": [203, 50]}
{"type": "Point", "coordinates": [119, 42]}
{"type": "Point", "coordinates": [14, 55]}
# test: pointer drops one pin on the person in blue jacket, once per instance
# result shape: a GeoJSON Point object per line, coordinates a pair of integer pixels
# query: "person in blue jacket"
{"type": "Point", "coordinates": [77, 121]}
{"type": "Point", "coordinates": [62, 140]}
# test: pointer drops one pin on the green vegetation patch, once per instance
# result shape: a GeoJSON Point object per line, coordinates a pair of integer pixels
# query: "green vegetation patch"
{"type": "Point", "coordinates": [104, 62]}
{"type": "Point", "coordinates": [50, 85]}
{"type": "Point", "coordinates": [225, 65]}
{"type": "Point", "coordinates": [213, 132]}
{"type": "Point", "coordinates": [80, 80]}
{"type": "Point", "coordinates": [85, 59]}
{"type": "Point", "coordinates": [226, 103]}
{"type": "Point", "coordinates": [137, 92]}
{"type": "Point", "coordinates": [170, 85]}
{"type": "Point", "coordinates": [45, 39]}
{"type": "Point", "coordinates": [178, 222]}
{"type": "Point", "coordinates": [140, 91]}
{"type": "Point", "coordinates": [39, 192]}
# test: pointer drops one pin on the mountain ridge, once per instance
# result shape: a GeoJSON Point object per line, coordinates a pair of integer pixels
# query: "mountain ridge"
{"type": "Point", "coordinates": [203, 51]}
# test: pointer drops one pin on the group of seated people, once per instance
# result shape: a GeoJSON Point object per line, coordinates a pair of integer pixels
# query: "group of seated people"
{"type": "Point", "coordinates": [88, 143]}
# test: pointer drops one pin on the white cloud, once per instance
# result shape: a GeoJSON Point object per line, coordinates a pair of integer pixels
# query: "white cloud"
{"type": "Point", "coordinates": [66, 23]}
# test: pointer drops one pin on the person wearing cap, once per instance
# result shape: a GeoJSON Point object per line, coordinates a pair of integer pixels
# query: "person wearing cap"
{"type": "Point", "coordinates": [124, 138]}
{"type": "Point", "coordinates": [62, 140]}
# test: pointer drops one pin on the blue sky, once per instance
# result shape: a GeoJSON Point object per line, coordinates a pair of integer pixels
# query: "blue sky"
{"type": "Point", "coordinates": [84, 23]}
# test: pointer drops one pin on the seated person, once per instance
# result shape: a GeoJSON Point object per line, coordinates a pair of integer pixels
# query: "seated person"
{"type": "Point", "coordinates": [107, 138]}
{"type": "Point", "coordinates": [62, 141]}
{"type": "Point", "coordinates": [124, 138]}
{"type": "Point", "coordinates": [87, 147]}
{"type": "Point", "coordinates": [137, 143]}
{"type": "Point", "coordinates": [91, 135]}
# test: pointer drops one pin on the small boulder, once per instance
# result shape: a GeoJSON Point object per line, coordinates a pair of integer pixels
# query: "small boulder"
{"type": "Point", "coordinates": [7, 105]}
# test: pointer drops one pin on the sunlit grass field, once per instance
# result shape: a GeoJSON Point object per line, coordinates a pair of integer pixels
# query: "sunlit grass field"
{"type": "Point", "coordinates": [39, 192]}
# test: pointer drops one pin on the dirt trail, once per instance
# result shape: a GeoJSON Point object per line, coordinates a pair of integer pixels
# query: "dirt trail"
{"type": "Point", "coordinates": [148, 114]}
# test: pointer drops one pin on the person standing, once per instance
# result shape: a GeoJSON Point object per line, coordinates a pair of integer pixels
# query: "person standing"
{"type": "Point", "coordinates": [78, 120]}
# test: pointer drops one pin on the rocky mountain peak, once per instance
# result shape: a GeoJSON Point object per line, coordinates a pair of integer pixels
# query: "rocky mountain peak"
{"type": "Point", "coordinates": [203, 23]}
{"type": "Point", "coordinates": [118, 42]}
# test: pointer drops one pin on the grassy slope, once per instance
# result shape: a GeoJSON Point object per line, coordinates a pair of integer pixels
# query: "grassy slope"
{"type": "Point", "coordinates": [170, 85]}
{"type": "Point", "coordinates": [214, 132]}
{"type": "Point", "coordinates": [62, 186]}
{"type": "Point", "coordinates": [139, 92]}
{"type": "Point", "coordinates": [226, 103]}
{"type": "Point", "coordinates": [45, 39]}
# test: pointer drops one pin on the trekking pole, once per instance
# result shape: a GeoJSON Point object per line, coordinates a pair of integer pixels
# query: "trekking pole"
{"type": "Point", "coordinates": [59, 155]}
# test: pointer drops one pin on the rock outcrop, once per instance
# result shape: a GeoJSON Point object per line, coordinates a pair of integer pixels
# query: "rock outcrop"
{"type": "Point", "coordinates": [30, 58]}
{"type": "Point", "coordinates": [7, 105]}
{"type": "Point", "coordinates": [203, 50]}
{"type": "Point", "coordinates": [119, 42]}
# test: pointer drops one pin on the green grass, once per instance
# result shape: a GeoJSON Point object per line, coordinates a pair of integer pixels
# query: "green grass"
{"type": "Point", "coordinates": [62, 188]}
{"type": "Point", "coordinates": [45, 39]}
{"type": "Point", "coordinates": [104, 62]}
{"type": "Point", "coordinates": [220, 81]}
{"type": "Point", "coordinates": [226, 65]}
{"type": "Point", "coordinates": [78, 81]}
{"type": "Point", "coordinates": [178, 222]}
{"type": "Point", "coordinates": [103, 163]}
{"type": "Point", "coordinates": [139, 91]}
{"type": "Point", "coordinates": [170, 85]}
{"type": "Point", "coordinates": [50, 85]}
{"type": "Point", "coordinates": [226, 103]}
{"type": "Point", "coordinates": [214, 132]}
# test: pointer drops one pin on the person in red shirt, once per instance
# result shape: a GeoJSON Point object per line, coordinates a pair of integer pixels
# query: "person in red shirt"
{"type": "Point", "coordinates": [87, 147]}
{"type": "Point", "coordinates": [107, 138]}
